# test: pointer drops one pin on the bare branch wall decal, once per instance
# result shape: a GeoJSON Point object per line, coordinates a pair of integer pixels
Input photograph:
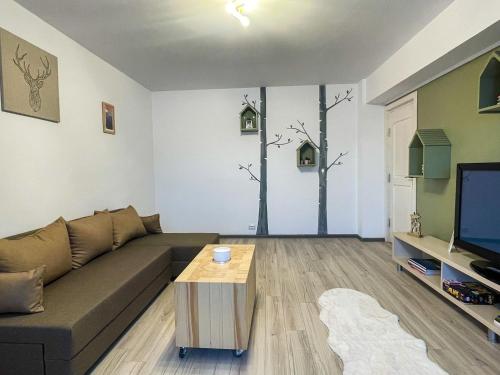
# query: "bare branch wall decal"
{"type": "Point", "coordinates": [303, 130]}
{"type": "Point", "coordinates": [337, 161]}
{"type": "Point", "coordinates": [247, 168]}
{"type": "Point", "coordinates": [278, 143]}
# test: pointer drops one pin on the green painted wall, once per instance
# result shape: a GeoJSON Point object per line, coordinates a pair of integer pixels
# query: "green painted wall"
{"type": "Point", "coordinates": [450, 102]}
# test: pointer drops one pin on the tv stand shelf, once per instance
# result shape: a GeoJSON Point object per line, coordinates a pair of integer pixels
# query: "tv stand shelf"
{"type": "Point", "coordinates": [454, 266]}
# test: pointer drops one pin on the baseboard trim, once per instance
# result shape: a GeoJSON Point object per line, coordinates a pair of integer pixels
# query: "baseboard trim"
{"type": "Point", "coordinates": [364, 239]}
{"type": "Point", "coordinates": [371, 239]}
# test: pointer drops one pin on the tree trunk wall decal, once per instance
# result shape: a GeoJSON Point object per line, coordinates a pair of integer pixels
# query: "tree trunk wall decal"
{"type": "Point", "coordinates": [262, 224]}
{"type": "Point", "coordinates": [323, 166]}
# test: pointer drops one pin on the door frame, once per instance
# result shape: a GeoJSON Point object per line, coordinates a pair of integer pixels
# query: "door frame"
{"type": "Point", "coordinates": [388, 132]}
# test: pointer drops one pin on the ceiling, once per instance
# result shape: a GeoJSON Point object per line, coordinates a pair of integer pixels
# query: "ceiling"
{"type": "Point", "coordinates": [195, 44]}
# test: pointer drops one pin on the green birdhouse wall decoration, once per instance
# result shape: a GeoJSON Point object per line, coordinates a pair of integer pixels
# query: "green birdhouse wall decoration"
{"type": "Point", "coordinates": [248, 120]}
{"type": "Point", "coordinates": [430, 154]}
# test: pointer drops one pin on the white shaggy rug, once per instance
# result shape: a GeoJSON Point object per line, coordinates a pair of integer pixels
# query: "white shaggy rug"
{"type": "Point", "coordinates": [369, 339]}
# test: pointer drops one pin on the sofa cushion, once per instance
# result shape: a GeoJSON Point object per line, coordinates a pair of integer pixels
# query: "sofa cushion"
{"type": "Point", "coordinates": [81, 304]}
{"type": "Point", "coordinates": [48, 246]}
{"type": "Point", "coordinates": [90, 237]}
{"type": "Point", "coordinates": [152, 224]}
{"type": "Point", "coordinates": [22, 292]}
{"type": "Point", "coordinates": [127, 225]}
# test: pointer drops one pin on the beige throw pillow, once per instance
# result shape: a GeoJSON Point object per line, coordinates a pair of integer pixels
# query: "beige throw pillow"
{"type": "Point", "coordinates": [127, 225]}
{"type": "Point", "coordinates": [48, 246]}
{"type": "Point", "coordinates": [152, 223]}
{"type": "Point", "coordinates": [22, 292]}
{"type": "Point", "coordinates": [90, 237]}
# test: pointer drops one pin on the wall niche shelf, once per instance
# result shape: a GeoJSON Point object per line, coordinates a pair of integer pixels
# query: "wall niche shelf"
{"type": "Point", "coordinates": [454, 266]}
{"type": "Point", "coordinates": [248, 120]}
{"type": "Point", "coordinates": [306, 155]}
{"type": "Point", "coordinates": [430, 154]}
{"type": "Point", "coordinates": [489, 85]}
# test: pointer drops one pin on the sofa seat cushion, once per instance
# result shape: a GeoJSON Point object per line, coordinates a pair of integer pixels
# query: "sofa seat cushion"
{"type": "Point", "coordinates": [185, 246]}
{"type": "Point", "coordinates": [83, 302]}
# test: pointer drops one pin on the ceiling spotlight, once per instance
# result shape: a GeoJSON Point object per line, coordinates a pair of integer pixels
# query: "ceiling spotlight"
{"type": "Point", "coordinates": [239, 9]}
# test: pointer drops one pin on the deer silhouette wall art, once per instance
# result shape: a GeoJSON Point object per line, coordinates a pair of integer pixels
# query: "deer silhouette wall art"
{"type": "Point", "coordinates": [34, 83]}
{"type": "Point", "coordinates": [29, 79]}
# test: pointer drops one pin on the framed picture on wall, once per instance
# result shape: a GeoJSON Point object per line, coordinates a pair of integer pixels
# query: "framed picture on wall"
{"type": "Point", "coordinates": [29, 79]}
{"type": "Point", "coordinates": [108, 118]}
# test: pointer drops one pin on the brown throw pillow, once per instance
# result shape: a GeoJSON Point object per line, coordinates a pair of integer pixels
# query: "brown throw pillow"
{"type": "Point", "coordinates": [152, 223]}
{"type": "Point", "coordinates": [22, 292]}
{"type": "Point", "coordinates": [127, 225]}
{"type": "Point", "coordinates": [90, 237]}
{"type": "Point", "coordinates": [48, 246]}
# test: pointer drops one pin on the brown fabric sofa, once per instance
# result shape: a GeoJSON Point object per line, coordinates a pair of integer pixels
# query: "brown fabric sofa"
{"type": "Point", "coordinates": [87, 309]}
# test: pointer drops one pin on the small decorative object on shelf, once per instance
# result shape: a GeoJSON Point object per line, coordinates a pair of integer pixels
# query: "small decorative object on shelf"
{"type": "Point", "coordinates": [415, 225]}
{"type": "Point", "coordinates": [248, 120]}
{"type": "Point", "coordinates": [497, 321]}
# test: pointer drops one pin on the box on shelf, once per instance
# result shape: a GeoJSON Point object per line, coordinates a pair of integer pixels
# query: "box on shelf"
{"type": "Point", "coordinates": [471, 292]}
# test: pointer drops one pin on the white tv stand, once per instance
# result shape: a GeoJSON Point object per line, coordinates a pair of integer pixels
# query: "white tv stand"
{"type": "Point", "coordinates": [454, 266]}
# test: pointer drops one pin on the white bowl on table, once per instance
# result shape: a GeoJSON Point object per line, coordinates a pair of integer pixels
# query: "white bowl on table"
{"type": "Point", "coordinates": [221, 254]}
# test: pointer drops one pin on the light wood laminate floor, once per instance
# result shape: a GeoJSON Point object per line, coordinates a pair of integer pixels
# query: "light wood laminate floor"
{"type": "Point", "coordinates": [287, 335]}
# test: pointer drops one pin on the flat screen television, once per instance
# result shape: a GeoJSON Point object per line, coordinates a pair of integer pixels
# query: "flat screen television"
{"type": "Point", "coordinates": [477, 215]}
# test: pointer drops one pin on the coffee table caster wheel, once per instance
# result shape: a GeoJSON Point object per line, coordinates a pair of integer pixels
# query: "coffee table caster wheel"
{"type": "Point", "coordinates": [238, 353]}
{"type": "Point", "coordinates": [182, 352]}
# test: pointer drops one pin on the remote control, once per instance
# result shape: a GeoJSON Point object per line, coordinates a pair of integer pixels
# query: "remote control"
{"type": "Point", "coordinates": [497, 321]}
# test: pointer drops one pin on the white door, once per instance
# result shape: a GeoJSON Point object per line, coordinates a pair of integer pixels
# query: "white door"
{"type": "Point", "coordinates": [401, 124]}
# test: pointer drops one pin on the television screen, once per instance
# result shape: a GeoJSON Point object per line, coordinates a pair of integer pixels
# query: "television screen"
{"type": "Point", "coordinates": [478, 210]}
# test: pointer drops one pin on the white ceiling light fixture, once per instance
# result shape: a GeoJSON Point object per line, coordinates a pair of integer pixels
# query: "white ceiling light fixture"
{"type": "Point", "coordinates": [240, 8]}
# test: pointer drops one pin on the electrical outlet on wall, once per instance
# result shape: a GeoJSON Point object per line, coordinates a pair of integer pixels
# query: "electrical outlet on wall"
{"type": "Point", "coordinates": [251, 227]}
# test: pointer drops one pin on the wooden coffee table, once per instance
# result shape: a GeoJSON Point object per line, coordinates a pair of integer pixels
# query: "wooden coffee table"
{"type": "Point", "coordinates": [214, 303]}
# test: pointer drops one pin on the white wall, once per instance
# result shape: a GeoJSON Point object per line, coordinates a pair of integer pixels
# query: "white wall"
{"type": "Point", "coordinates": [198, 146]}
{"type": "Point", "coordinates": [72, 168]}
{"type": "Point", "coordinates": [465, 28]}
{"type": "Point", "coordinates": [371, 171]}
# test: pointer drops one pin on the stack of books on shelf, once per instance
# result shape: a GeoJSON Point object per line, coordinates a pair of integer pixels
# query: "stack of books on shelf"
{"type": "Point", "coordinates": [471, 292]}
{"type": "Point", "coordinates": [426, 266]}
